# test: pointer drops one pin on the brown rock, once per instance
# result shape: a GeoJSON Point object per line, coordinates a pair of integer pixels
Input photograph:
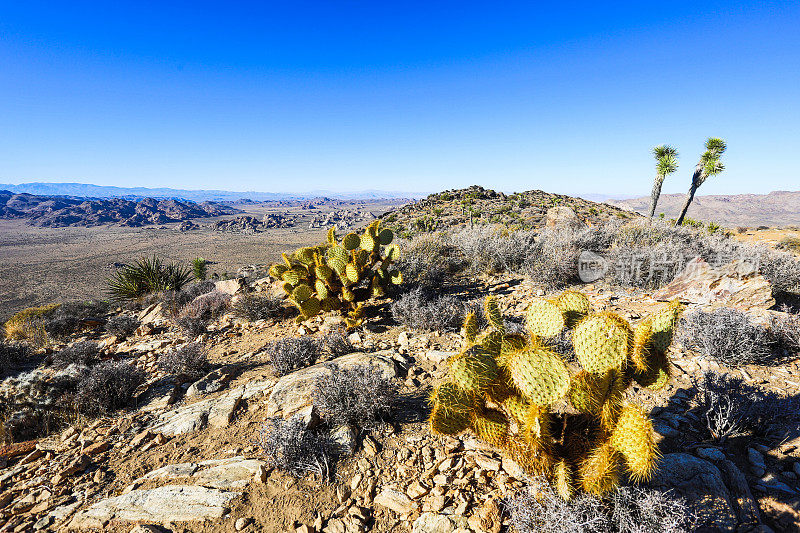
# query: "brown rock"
{"type": "Point", "coordinates": [75, 466]}
{"type": "Point", "coordinates": [488, 518]}
{"type": "Point", "coordinates": [141, 437]}
{"type": "Point", "coordinates": [97, 447]}
{"type": "Point", "coordinates": [15, 450]}
{"type": "Point", "coordinates": [562, 216]}
{"type": "Point", "coordinates": [396, 501]}
{"type": "Point", "coordinates": [737, 284]}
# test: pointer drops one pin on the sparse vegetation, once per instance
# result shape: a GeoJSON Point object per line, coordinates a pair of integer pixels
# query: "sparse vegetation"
{"type": "Point", "coordinates": [729, 407]}
{"type": "Point", "coordinates": [174, 301]}
{"type": "Point", "coordinates": [187, 363]}
{"type": "Point", "coordinates": [145, 276]}
{"type": "Point", "coordinates": [336, 343]}
{"type": "Point", "coordinates": [85, 353]}
{"type": "Point", "coordinates": [358, 396]}
{"type": "Point", "coordinates": [254, 307]}
{"type": "Point", "coordinates": [292, 353]}
{"type": "Point", "coordinates": [12, 355]}
{"type": "Point", "coordinates": [790, 243]}
{"type": "Point", "coordinates": [425, 311]}
{"type": "Point", "coordinates": [539, 509]}
{"type": "Point", "coordinates": [28, 324]}
{"type": "Point", "coordinates": [122, 326]}
{"type": "Point", "coordinates": [727, 335]}
{"type": "Point", "coordinates": [195, 316]}
{"type": "Point", "coordinates": [289, 446]}
{"type": "Point", "coordinates": [108, 386]}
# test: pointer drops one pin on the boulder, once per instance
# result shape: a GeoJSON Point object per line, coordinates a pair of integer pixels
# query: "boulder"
{"type": "Point", "coordinates": [563, 217]}
{"type": "Point", "coordinates": [737, 284]}
{"type": "Point", "coordinates": [701, 484]}
{"type": "Point", "coordinates": [293, 393]}
{"type": "Point", "coordinates": [172, 503]}
{"type": "Point", "coordinates": [231, 286]}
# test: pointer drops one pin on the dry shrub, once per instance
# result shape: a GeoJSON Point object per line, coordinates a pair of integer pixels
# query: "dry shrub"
{"type": "Point", "coordinates": [189, 362]}
{"type": "Point", "coordinates": [293, 353]}
{"type": "Point", "coordinates": [108, 386]}
{"type": "Point", "coordinates": [254, 307]}
{"type": "Point", "coordinates": [727, 335]}
{"type": "Point", "coordinates": [85, 353]}
{"type": "Point", "coordinates": [422, 310]}
{"type": "Point", "coordinates": [358, 396]}
{"type": "Point", "coordinates": [729, 407]}
{"type": "Point", "coordinates": [293, 448]}
{"type": "Point", "coordinates": [122, 326]}
{"type": "Point", "coordinates": [538, 509]}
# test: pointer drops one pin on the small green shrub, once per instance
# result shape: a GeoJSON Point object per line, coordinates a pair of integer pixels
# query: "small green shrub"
{"type": "Point", "coordinates": [122, 326]}
{"type": "Point", "coordinates": [357, 396]}
{"type": "Point", "coordinates": [200, 268]}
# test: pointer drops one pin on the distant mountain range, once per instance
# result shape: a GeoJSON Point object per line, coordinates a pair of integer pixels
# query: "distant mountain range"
{"type": "Point", "coordinates": [778, 208]}
{"type": "Point", "coordinates": [86, 190]}
{"type": "Point", "coordinates": [60, 211]}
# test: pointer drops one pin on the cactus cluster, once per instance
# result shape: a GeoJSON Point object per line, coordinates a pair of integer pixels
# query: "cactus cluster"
{"type": "Point", "coordinates": [340, 275]}
{"type": "Point", "coordinates": [568, 422]}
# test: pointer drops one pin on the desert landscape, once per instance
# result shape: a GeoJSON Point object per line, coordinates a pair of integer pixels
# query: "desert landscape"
{"type": "Point", "coordinates": [276, 267]}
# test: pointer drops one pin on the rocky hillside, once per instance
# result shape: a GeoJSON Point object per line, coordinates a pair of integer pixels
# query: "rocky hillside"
{"type": "Point", "coordinates": [477, 205]}
{"type": "Point", "coordinates": [60, 211]}
{"type": "Point", "coordinates": [238, 418]}
{"type": "Point", "coordinates": [778, 208]}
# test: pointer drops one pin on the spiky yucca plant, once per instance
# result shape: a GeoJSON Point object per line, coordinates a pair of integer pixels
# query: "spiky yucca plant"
{"type": "Point", "coordinates": [666, 163]}
{"type": "Point", "coordinates": [147, 275]}
{"type": "Point", "coordinates": [570, 423]}
{"type": "Point", "coordinates": [710, 164]}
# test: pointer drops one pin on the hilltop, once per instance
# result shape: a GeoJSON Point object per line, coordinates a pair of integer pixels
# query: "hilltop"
{"type": "Point", "coordinates": [477, 205]}
{"type": "Point", "coordinates": [778, 208]}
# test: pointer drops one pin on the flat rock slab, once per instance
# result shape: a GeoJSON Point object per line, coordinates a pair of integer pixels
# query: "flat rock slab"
{"type": "Point", "coordinates": [216, 412]}
{"type": "Point", "coordinates": [293, 393]}
{"type": "Point", "coordinates": [701, 484]}
{"type": "Point", "coordinates": [172, 503]}
{"type": "Point", "coordinates": [737, 284]}
{"type": "Point", "coordinates": [232, 473]}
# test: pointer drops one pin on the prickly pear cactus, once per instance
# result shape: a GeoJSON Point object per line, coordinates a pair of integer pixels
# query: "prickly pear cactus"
{"type": "Point", "coordinates": [570, 423]}
{"type": "Point", "coordinates": [340, 275]}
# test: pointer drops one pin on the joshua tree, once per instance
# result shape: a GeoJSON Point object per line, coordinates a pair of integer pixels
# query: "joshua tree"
{"type": "Point", "coordinates": [666, 163]}
{"type": "Point", "coordinates": [709, 165]}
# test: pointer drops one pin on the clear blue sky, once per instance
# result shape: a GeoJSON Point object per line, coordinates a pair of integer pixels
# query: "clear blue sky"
{"type": "Point", "coordinates": [295, 96]}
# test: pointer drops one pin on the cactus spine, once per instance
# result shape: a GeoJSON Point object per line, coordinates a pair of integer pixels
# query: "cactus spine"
{"type": "Point", "coordinates": [504, 387]}
{"type": "Point", "coordinates": [340, 275]}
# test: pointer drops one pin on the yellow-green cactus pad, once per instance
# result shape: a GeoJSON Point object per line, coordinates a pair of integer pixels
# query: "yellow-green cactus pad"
{"type": "Point", "coordinates": [302, 292]}
{"type": "Point", "coordinates": [491, 426]}
{"type": "Point", "coordinates": [664, 323]}
{"type": "Point", "coordinates": [444, 422]}
{"type": "Point", "coordinates": [574, 305]}
{"type": "Point", "coordinates": [474, 370]}
{"type": "Point", "coordinates": [493, 315]}
{"type": "Point", "coordinates": [539, 374]}
{"type": "Point", "coordinates": [544, 318]}
{"type": "Point", "coordinates": [602, 342]}
{"type": "Point", "coordinates": [385, 237]}
{"type": "Point", "coordinates": [351, 241]}
{"type": "Point", "coordinates": [633, 439]}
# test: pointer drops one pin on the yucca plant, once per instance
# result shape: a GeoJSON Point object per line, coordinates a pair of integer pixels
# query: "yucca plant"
{"type": "Point", "coordinates": [666, 163]}
{"type": "Point", "coordinates": [710, 164]}
{"type": "Point", "coordinates": [145, 276]}
{"type": "Point", "coordinates": [200, 268]}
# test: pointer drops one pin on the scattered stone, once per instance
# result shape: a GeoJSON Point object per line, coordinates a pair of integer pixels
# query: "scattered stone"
{"type": "Point", "coordinates": [396, 501]}
{"type": "Point", "coordinates": [242, 523]}
{"type": "Point", "coordinates": [432, 523]}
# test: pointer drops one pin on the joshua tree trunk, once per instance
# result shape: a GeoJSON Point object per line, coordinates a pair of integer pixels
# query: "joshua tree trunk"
{"type": "Point", "coordinates": [693, 189]}
{"type": "Point", "coordinates": [655, 194]}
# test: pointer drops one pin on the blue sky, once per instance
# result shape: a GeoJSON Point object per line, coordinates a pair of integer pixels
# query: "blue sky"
{"type": "Point", "coordinates": [296, 96]}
